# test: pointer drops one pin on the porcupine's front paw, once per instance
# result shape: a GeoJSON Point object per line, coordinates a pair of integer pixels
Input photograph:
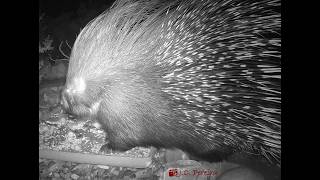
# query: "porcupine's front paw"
{"type": "Point", "coordinates": [110, 147]}
{"type": "Point", "coordinates": [105, 149]}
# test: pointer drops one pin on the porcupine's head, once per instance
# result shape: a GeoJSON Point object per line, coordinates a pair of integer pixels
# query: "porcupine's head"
{"type": "Point", "coordinates": [202, 76]}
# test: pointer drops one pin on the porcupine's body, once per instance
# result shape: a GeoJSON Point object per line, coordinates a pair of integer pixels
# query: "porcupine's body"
{"type": "Point", "coordinates": [201, 76]}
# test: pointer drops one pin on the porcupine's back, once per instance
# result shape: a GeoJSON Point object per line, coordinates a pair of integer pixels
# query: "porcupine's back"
{"type": "Point", "coordinates": [202, 76]}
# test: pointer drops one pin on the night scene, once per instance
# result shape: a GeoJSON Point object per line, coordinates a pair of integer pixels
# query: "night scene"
{"type": "Point", "coordinates": [160, 89]}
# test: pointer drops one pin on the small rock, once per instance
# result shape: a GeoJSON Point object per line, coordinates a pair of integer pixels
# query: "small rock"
{"type": "Point", "coordinates": [68, 164]}
{"type": "Point", "coordinates": [127, 173]}
{"type": "Point", "coordinates": [74, 176]}
{"type": "Point", "coordinates": [68, 175]}
{"type": "Point", "coordinates": [145, 173]}
{"type": "Point", "coordinates": [82, 166]}
{"type": "Point", "coordinates": [57, 175]}
{"type": "Point", "coordinates": [103, 167]}
{"type": "Point", "coordinates": [114, 171]}
{"type": "Point", "coordinates": [53, 166]}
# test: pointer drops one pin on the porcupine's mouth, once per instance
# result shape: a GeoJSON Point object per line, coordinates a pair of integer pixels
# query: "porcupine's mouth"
{"type": "Point", "coordinates": [65, 104]}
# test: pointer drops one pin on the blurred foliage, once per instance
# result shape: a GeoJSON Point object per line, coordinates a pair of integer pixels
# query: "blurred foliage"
{"type": "Point", "coordinates": [45, 46]}
{"type": "Point", "coordinates": [45, 41]}
{"type": "Point", "coordinates": [66, 26]}
{"type": "Point", "coordinates": [64, 29]}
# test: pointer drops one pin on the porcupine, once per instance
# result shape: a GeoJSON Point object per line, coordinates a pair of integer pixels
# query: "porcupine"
{"type": "Point", "coordinates": [201, 76]}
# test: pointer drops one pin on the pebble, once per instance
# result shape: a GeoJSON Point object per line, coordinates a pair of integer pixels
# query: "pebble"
{"type": "Point", "coordinates": [74, 176]}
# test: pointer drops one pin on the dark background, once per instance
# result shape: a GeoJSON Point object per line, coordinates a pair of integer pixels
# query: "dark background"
{"type": "Point", "coordinates": [63, 20]}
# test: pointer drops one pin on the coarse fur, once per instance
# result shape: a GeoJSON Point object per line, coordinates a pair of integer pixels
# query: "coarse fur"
{"type": "Point", "coordinates": [201, 76]}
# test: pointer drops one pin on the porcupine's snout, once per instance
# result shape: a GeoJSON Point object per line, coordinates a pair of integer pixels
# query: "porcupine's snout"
{"type": "Point", "coordinates": [71, 99]}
